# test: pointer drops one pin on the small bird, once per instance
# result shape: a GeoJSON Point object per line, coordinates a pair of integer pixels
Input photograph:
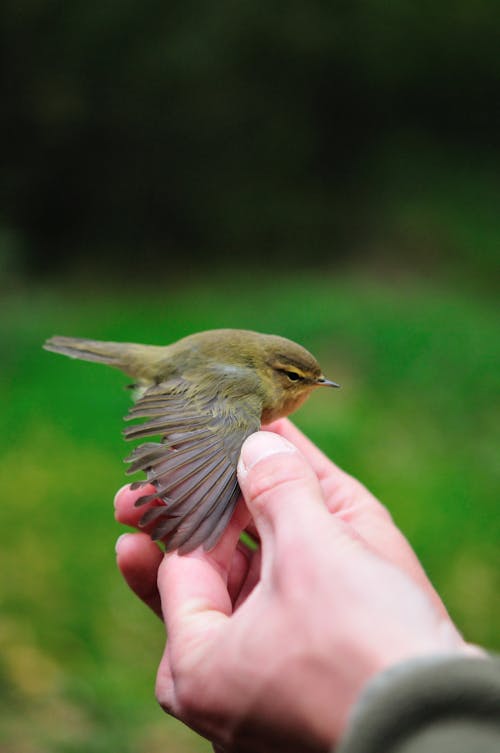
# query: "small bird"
{"type": "Point", "coordinates": [203, 395]}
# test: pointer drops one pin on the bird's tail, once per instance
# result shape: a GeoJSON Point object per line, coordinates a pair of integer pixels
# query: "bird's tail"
{"type": "Point", "coordinates": [124, 356]}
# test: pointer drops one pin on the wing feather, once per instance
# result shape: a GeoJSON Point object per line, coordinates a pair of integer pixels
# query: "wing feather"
{"type": "Point", "coordinates": [187, 457]}
{"type": "Point", "coordinates": [162, 425]}
{"type": "Point", "coordinates": [193, 468]}
{"type": "Point", "coordinates": [181, 488]}
{"type": "Point", "coordinates": [198, 523]}
{"type": "Point", "coordinates": [217, 523]}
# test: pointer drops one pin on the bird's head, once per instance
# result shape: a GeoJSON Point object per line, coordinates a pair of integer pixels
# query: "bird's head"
{"type": "Point", "coordinates": [289, 373]}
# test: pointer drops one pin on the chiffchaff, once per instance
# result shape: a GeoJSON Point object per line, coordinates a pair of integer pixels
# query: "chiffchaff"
{"type": "Point", "coordinates": [203, 395]}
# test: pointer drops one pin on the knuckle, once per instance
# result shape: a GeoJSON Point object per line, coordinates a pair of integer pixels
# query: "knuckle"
{"type": "Point", "coordinates": [185, 696]}
{"type": "Point", "coordinates": [177, 697]}
{"type": "Point", "coordinates": [164, 695]}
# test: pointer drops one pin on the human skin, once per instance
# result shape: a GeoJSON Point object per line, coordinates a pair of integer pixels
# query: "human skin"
{"type": "Point", "coordinates": [270, 649]}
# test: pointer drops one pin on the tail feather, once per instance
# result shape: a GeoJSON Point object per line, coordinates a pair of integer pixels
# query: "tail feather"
{"type": "Point", "coordinates": [88, 350]}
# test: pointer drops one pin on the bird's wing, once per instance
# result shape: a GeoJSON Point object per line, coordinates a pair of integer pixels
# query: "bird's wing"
{"type": "Point", "coordinates": [194, 466]}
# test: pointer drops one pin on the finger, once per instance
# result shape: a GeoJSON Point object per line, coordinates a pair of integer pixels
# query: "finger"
{"type": "Point", "coordinates": [196, 605]}
{"type": "Point", "coordinates": [252, 531]}
{"type": "Point", "coordinates": [340, 490]}
{"type": "Point", "coordinates": [321, 464]}
{"type": "Point", "coordinates": [197, 589]}
{"type": "Point", "coordinates": [138, 559]}
{"type": "Point", "coordinates": [125, 510]}
{"type": "Point", "coordinates": [281, 489]}
{"type": "Point", "coordinates": [239, 571]}
{"type": "Point", "coordinates": [165, 685]}
{"type": "Point", "coordinates": [205, 573]}
{"type": "Point", "coordinates": [353, 503]}
{"type": "Point", "coordinates": [223, 553]}
{"type": "Point", "coordinates": [375, 525]}
{"type": "Point", "coordinates": [251, 579]}
{"type": "Point", "coordinates": [344, 495]}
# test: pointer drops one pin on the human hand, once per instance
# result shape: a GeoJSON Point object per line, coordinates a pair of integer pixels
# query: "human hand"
{"type": "Point", "coordinates": [270, 649]}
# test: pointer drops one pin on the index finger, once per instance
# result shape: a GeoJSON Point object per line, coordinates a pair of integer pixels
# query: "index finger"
{"type": "Point", "coordinates": [341, 491]}
{"type": "Point", "coordinates": [321, 464]}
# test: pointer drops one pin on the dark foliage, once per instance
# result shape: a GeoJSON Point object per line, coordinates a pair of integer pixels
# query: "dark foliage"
{"type": "Point", "coordinates": [149, 131]}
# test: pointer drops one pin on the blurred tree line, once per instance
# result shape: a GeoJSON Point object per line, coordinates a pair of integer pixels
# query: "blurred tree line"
{"type": "Point", "coordinates": [159, 133]}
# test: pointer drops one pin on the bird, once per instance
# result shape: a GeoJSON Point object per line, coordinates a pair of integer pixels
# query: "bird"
{"type": "Point", "coordinates": [201, 396]}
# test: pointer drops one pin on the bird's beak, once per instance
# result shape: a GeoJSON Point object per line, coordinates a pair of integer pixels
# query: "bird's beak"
{"type": "Point", "coordinates": [323, 382]}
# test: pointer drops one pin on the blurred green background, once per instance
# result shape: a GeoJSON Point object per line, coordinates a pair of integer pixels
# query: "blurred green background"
{"type": "Point", "coordinates": [328, 172]}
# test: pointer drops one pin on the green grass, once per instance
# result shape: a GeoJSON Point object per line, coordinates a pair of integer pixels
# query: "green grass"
{"type": "Point", "coordinates": [416, 420]}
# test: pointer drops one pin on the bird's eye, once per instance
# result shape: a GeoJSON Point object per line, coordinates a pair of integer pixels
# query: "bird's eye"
{"type": "Point", "coordinates": [292, 376]}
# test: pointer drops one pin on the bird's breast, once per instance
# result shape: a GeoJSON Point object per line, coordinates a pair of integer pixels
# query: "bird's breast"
{"type": "Point", "coordinates": [281, 406]}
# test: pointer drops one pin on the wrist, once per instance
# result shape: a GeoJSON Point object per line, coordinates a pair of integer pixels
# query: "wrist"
{"type": "Point", "coordinates": [440, 702]}
{"type": "Point", "coordinates": [386, 654]}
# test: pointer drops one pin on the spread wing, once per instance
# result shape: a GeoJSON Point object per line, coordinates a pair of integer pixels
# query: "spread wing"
{"type": "Point", "coordinates": [193, 467]}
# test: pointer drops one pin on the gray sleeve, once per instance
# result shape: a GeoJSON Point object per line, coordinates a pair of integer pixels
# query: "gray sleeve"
{"type": "Point", "coordinates": [435, 705]}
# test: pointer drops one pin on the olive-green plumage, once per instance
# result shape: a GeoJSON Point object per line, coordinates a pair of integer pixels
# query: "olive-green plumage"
{"type": "Point", "coordinates": [203, 395]}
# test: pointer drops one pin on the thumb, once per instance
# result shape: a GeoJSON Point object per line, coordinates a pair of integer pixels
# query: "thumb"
{"type": "Point", "coordinates": [280, 488]}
